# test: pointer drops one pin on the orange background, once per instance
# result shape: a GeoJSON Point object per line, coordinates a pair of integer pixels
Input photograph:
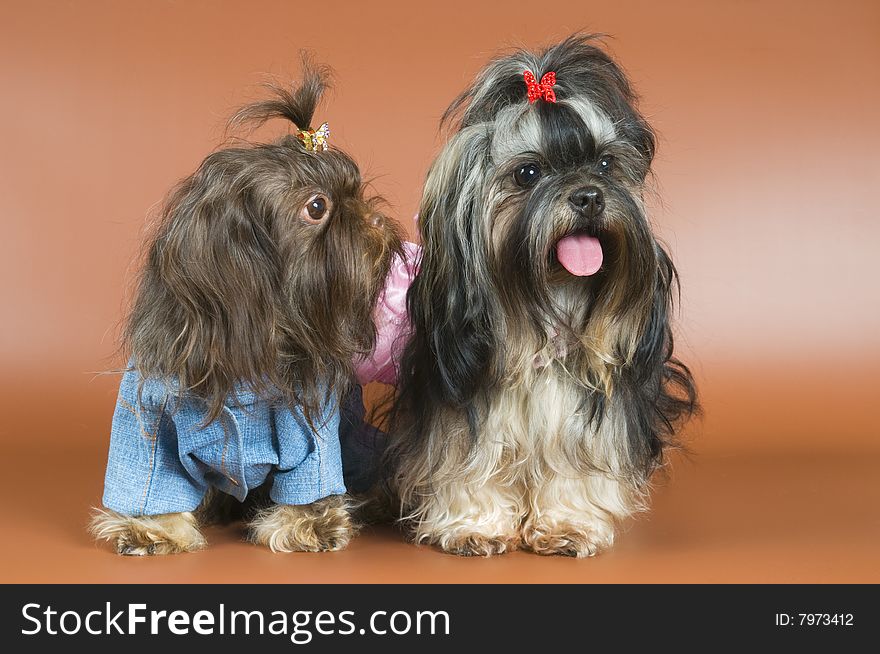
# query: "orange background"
{"type": "Point", "coordinates": [768, 173]}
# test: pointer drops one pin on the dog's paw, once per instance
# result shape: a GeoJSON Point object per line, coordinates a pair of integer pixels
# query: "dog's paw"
{"type": "Point", "coordinates": [472, 544]}
{"type": "Point", "coordinates": [323, 526]}
{"type": "Point", "coordinates": [578, 541]}
{"type": "Point", "coordinates": [170, 533]}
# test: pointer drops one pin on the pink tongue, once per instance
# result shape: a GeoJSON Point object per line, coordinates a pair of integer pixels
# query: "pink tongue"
{"type": "Point", "coordinates": [580, 254]}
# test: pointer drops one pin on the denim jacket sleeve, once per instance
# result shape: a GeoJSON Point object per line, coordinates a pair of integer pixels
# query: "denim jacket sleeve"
{"type": "Point", "coordinates": [144, 473]}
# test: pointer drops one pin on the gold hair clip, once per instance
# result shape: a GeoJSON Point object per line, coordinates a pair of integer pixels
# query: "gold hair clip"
{"type": "Point", "coordinates": [315, 140]}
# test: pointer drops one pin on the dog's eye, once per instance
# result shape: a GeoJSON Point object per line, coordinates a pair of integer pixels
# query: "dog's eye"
{"type": "Point", "coordinates": [606, 164]}
{"type": "Point", "coordinates": [316, 209]}
{"type": "Point", "coordinates": [527, 174]}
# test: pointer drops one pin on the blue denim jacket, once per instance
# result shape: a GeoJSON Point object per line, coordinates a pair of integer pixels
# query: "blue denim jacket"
{"type": "Point", "coordinates": [163, 460]}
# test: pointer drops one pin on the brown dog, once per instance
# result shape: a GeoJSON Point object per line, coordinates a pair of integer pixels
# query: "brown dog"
{"type": "Point", "coordinates": [255, 299]}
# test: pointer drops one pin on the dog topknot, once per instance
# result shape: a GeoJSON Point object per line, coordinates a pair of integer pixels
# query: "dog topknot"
{"type": "Point", "coordinates": [297, 104]}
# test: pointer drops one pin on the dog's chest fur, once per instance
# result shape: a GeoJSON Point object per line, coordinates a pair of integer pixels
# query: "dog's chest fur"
{"type": "Point", "coordinates": [540, 423]}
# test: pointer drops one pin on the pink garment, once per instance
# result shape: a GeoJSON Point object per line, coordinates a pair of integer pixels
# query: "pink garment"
{"type": "Point", "coordinates": [392, 322]}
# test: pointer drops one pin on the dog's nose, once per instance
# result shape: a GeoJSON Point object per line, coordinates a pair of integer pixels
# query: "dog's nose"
{"type": "Point", "coordinates": [588, 200]}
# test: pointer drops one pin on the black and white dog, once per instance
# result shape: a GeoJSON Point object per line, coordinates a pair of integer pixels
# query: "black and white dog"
{"type": "Point", "coordinates": [539, 388]}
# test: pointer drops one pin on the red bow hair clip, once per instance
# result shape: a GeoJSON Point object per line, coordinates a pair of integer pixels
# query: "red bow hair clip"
{"type": "Point", "coordinates": [542, 89]}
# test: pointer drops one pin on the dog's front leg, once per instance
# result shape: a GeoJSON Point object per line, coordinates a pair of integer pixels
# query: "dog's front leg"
{"type": "Point", "coordinates": [470, 518]}
{"type": "Point", "coordinates": [322, 526]}
{"type": "Point", "coordinates": [168, 533]}
{"type": "Point", "coordinates": [576, 515]}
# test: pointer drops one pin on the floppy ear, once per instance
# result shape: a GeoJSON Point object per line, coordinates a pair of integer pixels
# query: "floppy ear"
{"type": "Point", "coordinates": [654, 346]}
{"type": "Point", "coordinates": [658, 390]}
{"type": "Point", "coordinates": [449, 301]}
{"type": "Point", "coordinates": [206, 307]}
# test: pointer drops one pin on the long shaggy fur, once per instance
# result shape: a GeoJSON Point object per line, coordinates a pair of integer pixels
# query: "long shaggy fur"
{"type": "Point", "coordinates": [535, 405]}
{"type": "Point", "coordinates": [237, 289]}
{"type": "Point", "coordinates": [240, 291]}
{"type": "Point", "coordinates": [170, 533]}
{"type": "Point", "coordinates": [325, 525]}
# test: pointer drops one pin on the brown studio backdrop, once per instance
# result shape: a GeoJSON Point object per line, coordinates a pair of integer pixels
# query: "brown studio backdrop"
{"type": "Point", "coordinates": [766, 181]}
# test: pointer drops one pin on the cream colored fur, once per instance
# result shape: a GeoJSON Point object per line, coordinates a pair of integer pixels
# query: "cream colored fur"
{"type": "Point", "coordinates": [540, 477]}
